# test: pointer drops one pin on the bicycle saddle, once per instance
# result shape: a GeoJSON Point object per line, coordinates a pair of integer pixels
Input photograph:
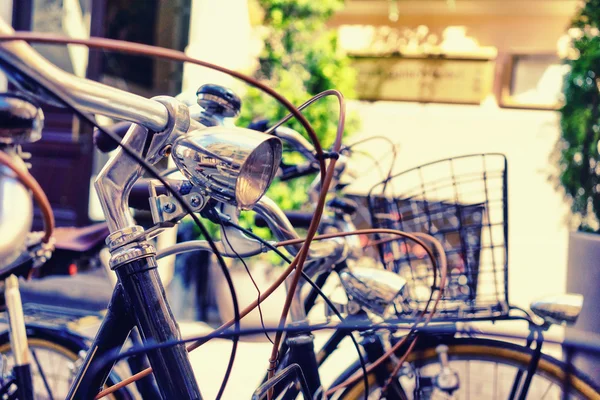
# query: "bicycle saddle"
{"type": "Point", "coordinates": [563, 309]}
{"type": "Point", "coordinates": [80, 239]}
{"type": "Point", "coordinates": [20, 120]}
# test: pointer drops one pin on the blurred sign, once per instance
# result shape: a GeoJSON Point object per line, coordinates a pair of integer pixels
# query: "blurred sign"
{"type": "Point", "coordinates": [424, 78]}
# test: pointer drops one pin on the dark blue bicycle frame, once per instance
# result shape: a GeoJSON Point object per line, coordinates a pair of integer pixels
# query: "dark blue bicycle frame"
{"type": "Point", "coordinates": [138, 300]}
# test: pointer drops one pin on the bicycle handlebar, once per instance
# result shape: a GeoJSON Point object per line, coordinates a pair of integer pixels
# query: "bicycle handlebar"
{"type": "Point", "coordinates": [90, 96]}
{"type": "Point", "coordinates": [296, 218]}
{"type": "Point", "coordinates": [289, 172]}
{"type": "Point", "coordinates": [97, 98]}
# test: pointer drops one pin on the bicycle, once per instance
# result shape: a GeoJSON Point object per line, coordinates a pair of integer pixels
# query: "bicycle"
{"type": "Point", "coordinates": [424, 207]}
{"type": "Point", "coordinates": [529, 361]}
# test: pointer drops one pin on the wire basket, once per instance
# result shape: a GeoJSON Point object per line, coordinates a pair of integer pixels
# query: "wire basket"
{"type": "Point", "coordinates": [462, 202]}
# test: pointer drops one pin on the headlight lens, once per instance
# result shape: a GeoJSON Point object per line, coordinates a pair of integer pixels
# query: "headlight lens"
{"type": "Point", "coordinates": [233, 165]}
{"type": "Point", "coordinates": [256, 175]}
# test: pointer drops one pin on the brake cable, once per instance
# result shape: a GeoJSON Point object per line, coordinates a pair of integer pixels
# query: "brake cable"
{"type": "Point", "coordinates": [174, 55]}
{"type": "Point", "coordinates": [443, 274]}
{"type": "Point", "coordinates": [312, 230]}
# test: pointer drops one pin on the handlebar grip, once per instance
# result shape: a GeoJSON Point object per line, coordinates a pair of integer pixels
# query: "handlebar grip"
{"type": "Point", "coordinates": [138, 198]}
{"type": "Point", "coordinates": [289, 172]}
{"type": "Point", "coordinates": [297, 219]}
{"type": "Point", "coordinates": [104, 143]}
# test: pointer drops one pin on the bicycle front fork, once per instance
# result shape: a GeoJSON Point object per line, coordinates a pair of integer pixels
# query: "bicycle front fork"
{"type": "Point", "coordinates": [139, 299]}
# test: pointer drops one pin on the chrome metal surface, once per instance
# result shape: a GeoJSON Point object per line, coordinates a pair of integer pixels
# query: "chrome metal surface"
{"type": "Point", "coordinates": [131, 252]}
{"type": "Point", "coordinates": [35, 250]}
{"type": "Point", "coordinates": [332, 249]}
{"type": "Point", "coordinates": [178, 125]}
{"type": "Point", "coordinates": [233, 165]}
{"type": "Point", "coordinates": [40, 252]}
{"type": "Point", "coordinates": [233, 240]}
{"type": "Point", "coordinates": [123, 236]}
{"type": "Point", "coordinates": [447, 380]}
{"type": "Point", "coordinates": [115, 180]}
{"type": "Point", "coordinates": [235, 243]}
{"type": "Point", "coordinates": [20, 120]}
{"type": "Point", "coordinates": [344, 223]}
{"type": "Point", "coordinates": [299, 142]}
{"type": "Point", "coordinates": [218, 101]}
{"type": "Point", "coordinates": [561, 309]}
{"type": "Point", "coordinates": [373, 288]}
{"type": "Point", "coordinates": [167, 208]}
{"type": "Point", "coordinates": [90, 96]}
{"type": "Point", "coordinates": [342, 308]}
{"type": "Point", "coordinates": [113, 184]}
{"type": "Point", "coordinates": [202, 245]}
{"type": "Point", "coordinates": [16, 212]}
{"type": "Point", "coordinates": [297, 311]}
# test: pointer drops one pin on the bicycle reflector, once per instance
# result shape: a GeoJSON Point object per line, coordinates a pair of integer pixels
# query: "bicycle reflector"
{"type": "Point", "coordinates": [234, 165]}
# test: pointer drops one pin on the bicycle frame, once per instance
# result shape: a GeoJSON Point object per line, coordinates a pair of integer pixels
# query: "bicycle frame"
{"type": "Point", "coordinates": [139, 298]}
{"type": "Point", "coordinates": [138, 294]}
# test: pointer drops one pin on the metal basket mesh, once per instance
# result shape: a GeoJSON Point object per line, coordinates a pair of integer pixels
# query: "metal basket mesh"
{"type": "Point", "coordinates": [462, 202]}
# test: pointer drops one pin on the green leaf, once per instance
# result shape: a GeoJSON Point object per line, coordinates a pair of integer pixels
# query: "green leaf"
{"type": "Point", "coordinates": [577, 148]}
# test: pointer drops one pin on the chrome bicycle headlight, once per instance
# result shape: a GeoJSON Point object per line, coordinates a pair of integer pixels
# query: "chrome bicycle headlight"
{"type": "Point", "coordinates": [233, 165]}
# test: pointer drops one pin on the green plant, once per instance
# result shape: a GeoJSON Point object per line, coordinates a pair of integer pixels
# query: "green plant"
{"type": "Point", "coordinates": [300, 58]}
{"type": "Point", "coordinates": [579, 159]}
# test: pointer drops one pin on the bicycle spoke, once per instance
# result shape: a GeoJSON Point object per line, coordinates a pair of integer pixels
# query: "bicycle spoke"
{"type": "Point", "coordinates": [53, 356]}
{"type": "Point", "coordinates": [547, 390]}
{"type": "Point", "coordinates": [41, 372]}
{"type": "Point", "coordinates": [488, 378]}
{"type": "Point", "coordinates": [468, 379]}
{"type": "Point", "coordinates": [495, 389]}
{"type": "Point", "coordinates": [516, 384]}
{"type": "Point", "coordinates": [50, 381]}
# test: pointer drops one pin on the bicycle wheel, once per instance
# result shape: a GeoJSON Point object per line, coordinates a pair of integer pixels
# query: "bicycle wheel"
{"type": "Point", "coordinates": [486, 369]}
{"type": "Point", "coordinates": [53, 364]}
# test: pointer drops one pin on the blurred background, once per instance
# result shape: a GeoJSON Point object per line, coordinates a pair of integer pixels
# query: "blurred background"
{"type": "Point", "coordinates": [439, 78]}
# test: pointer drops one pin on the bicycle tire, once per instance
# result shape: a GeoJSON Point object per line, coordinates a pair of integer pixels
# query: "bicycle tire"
{"type": "Point", "coordinates": [61, 343]}
{"type": "Point", "coordinates": [504, 353]}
